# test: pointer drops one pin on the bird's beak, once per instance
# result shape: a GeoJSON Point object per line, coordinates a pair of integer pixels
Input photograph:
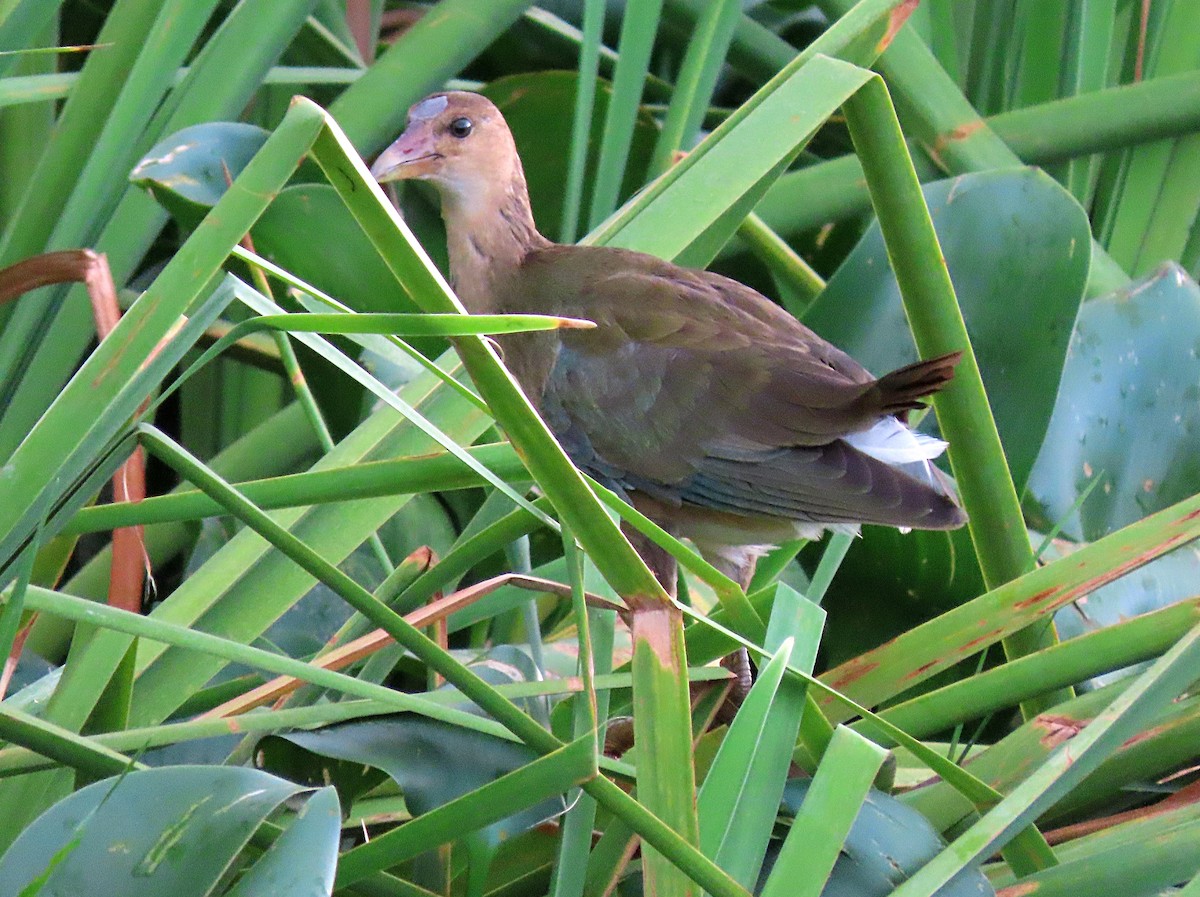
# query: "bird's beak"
{"type": "Point", "coordinates": [411, 156]}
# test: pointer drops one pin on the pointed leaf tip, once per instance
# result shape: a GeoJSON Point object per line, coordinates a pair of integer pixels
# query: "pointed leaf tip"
{"type": "Point", "coordinates": [575, 324]}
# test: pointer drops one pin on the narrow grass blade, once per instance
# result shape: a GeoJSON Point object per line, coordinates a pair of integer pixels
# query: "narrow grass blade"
{"type": "Point", "coordinates": [689, 213]}
{"type": "Point", "coordinates": [118, 220]}
{"type": "Point", "coordinates": [663, 733]}
{"type": "Point", "coordinates": [639, 26]}
{"type": "Point", "coordinates": [941, 118]}
{"type": "Point", "coordinates": [20, 20]}
{"type": "Point", "coordinates": [652, 221]}
{"type": "Point", "coordinates": [964, 631]}
{"type": "Point", "coordinates": [1039, 135]}
{"type": "Point", "coordinates": [666, 840]}
{"type": "Point", "coordinates": [964, 415]}
{"type": "Point", "coordinates": [433, 50]}
{"type": "Point", "coordinates": [316, 298]}
{"type": "Point", "coordinates": [62, 745]}
{"type": "Point", "coordinates": [355, 595]}
{"type": "Point", "coordinates": [120, 621]}
{"type": "Point", "coordinates": [93, 191]}
{"type": "Point", "coordinates": [115, 379]}
{"type": "Point", "coordinates": [1039, 30]}
{"type": "Point", "coordinates": [262, 305]}
{"type": "Point", "coordinates": [1086, 70]}
{"type": "Point", "coordinates": [1028, 851]}
{"type": "Point", "coordinates": [1069, 764]}
{"type": "Point", "coordinates": [1158, 198]}
{"type": "Point", "coordinates": [816, 834]}
{"type": "Point", "coordinates": [435, 473]}
{"type": "Point", "coordinates": [740, 797]}
{"type": "Point", "coordinates": [581, 122]}
{"type": "Point", "coordinates": [697, 79]}
{"type": "Point", "coordinates": [397, 325]}
{"type": "Point", "coordinates": [1105, 650]}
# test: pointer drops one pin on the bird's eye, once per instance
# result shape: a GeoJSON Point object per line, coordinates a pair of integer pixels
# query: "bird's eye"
{"type": "Point", "coordinates": [460, 127]}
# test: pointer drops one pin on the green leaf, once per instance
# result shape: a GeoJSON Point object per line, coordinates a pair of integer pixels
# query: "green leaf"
{"type": "Point", "coordinates": [189, 171]}
{"type": "Point", "coordinates": [888, 841]}
{"type": "Point", "coordinates": [539, 782]}
{"type": "Point", "coordinates": [691, 211]}
{"type": "Point", "coordinates": [302, 859]}
{"type": "Point", "coordinates": [432, 762]}
{"type": "Point", "coordinates": [1127, 410]}
{"type": "Point", "coordinates": [823, 820]}
{"type": "Point", "coordinates": [160, 832]}
{"type": "Point", "coordinates": [740, 797]}
{"type": "Point", "coordinates": [301, 227]}
{"type": "Point", "coordinates": [1067, 765]}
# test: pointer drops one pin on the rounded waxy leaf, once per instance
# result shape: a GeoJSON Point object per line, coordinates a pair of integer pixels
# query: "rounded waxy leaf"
{"type": "Point", "coordinates": [432, 762]}
{"type": "Point", "coordinates": [190, 170]}
{"type": "Point", "coordinates": [1127, 410]}
{"type": "Point", "coordinates": [309, 231]}
{"type": "Point", "coordinates": [171, 831]}
{"type": "Point", "coordinates": [888, 842]}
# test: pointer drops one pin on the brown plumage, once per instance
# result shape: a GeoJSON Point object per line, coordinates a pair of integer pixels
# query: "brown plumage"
{"type": "Point", "coordinates": [707, 405]}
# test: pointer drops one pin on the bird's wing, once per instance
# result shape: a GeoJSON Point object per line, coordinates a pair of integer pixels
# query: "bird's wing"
{"type": "Point", "coordinates": [702, 347]}
{"type": "Point", "coordinates": [698, 391]}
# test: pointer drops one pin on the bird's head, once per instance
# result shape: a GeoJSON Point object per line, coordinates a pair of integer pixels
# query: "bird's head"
{"type": "Point", "coordinates": [457, 140]}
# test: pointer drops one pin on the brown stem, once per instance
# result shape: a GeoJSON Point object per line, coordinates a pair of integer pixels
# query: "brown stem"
{"type": "Point", "coordinates": [90, 268]}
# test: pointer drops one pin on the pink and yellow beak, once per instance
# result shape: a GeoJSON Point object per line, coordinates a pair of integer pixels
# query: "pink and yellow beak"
{"type": "Point", "coordinates": [412, 155]}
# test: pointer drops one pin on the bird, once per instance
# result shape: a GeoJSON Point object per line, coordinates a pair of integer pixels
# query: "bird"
{"type": "Point", "coordinates": [698, 400]}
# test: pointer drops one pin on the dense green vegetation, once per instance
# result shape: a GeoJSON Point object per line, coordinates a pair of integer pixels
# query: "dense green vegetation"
{"type": "Point", "coordinates": [453, 644]}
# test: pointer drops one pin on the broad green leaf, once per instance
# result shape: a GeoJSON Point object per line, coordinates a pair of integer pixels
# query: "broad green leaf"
{"type": "Point", "coordinates": [308, 231]}
{"type": "Point", "coordinates": [301, 861]}
{"type": "Point", "coordinates": [888, 841]}
{"type": "Point", "coordinates": [189, 171]}
{"type": "Point", "coordinates": [432, 762]}
{"type": "Point", "coordinates": [159, 832]}
{"type": "Point", "coordinates": [544, 779]}
{"type": "Point", "coordinates": [1127, 410]}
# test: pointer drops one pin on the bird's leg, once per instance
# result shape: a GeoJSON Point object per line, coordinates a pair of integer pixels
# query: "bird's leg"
{"type": "Point", "coordinates": [738, 566]}
{"type": "Point", "coordinates": [666, 571]}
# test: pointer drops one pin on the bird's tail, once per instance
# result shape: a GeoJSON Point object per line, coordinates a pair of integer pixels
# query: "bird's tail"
{"type": "Point", "coordinates": [901, 391]}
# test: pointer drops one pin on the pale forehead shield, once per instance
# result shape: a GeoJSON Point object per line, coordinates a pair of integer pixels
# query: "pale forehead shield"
{"type": "Point", "coordinates": [428, 108]}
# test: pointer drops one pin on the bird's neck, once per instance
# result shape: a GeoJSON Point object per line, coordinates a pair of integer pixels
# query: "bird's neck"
{"type": "Point", "coordinates": [489, 232]}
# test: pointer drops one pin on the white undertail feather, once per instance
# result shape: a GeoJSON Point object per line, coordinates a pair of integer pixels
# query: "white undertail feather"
{"type": "Point", "coordinates": [893, 443]}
